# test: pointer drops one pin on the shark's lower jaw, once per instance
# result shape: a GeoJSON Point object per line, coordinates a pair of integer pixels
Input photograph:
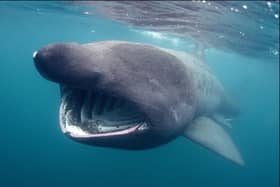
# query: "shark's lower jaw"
{"type": "Point", "coordinates": [93, 114]}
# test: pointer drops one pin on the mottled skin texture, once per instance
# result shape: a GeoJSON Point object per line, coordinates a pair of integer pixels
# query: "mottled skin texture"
{"type": "Point", "coordinates": [170, 88]}
{"type": "Point", "coordinates": [208, 90]}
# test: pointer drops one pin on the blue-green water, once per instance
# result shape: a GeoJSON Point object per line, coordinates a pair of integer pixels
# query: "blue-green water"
{"type": "Point", "coordinates": [34, 152]}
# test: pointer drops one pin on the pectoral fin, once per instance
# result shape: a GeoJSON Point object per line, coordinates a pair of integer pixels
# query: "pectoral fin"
{"type": "Point", "coordinates": [209, 134]}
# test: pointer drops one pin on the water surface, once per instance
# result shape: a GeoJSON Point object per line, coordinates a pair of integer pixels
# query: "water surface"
{"type": "Point", "coordinates": [35, 153]}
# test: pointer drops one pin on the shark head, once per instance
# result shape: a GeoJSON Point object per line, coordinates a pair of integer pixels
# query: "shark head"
{"type": "Point", "coordinates": [118, 94]}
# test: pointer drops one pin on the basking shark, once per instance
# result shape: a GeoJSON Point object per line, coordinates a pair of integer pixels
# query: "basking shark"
{"type": "Point", "coordinates": [136, 96]}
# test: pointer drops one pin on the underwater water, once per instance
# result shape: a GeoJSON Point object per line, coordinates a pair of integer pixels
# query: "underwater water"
{"type": "Point", "coordinates": [34, 152]}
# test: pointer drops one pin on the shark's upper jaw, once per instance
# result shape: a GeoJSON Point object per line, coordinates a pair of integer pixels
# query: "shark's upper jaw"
{"type": "Point", "coordinates": [93, 114]}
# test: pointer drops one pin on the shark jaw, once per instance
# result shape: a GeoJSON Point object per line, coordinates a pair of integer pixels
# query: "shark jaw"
{"type": "Point", "coordinates": [96, 114]}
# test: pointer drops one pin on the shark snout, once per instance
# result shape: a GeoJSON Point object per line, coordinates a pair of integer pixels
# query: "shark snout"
{"type": "Point", "coordinates": [65, 63]}
{"type": "Point", "coordinates": [43, 63]}
{"type": "Point", "coordinates": [34, 54]}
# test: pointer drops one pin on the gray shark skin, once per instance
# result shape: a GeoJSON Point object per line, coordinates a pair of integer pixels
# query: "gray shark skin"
{"type": "Point", "coordinates": [136, 96]}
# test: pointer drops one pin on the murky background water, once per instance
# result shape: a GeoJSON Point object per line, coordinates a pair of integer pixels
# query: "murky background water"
{"type": "Point", "coordinates": [240, 42]}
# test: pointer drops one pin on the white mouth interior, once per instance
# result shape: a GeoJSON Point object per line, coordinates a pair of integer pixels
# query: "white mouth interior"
{"type": "Point", "coordinates": [87, 113]}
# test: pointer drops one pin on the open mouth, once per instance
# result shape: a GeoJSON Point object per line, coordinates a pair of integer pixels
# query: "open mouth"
{"type": "Point", "coordinates": [91, 113]}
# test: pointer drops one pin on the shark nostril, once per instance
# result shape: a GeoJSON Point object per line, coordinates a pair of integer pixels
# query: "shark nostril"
{"type": "Point", "coordinates": [34, 54]}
